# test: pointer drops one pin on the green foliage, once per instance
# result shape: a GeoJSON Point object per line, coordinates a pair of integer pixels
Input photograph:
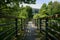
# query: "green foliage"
{"type": "Point", "coordinates": [23, 14]}
{"type": "Point", "coordinates": [29, 11]}
{"type": "Point", "coordinates": [56, 6]}
{"type": "Point", "coordinates": [37, 16]}
{"type": "Point", "coordinates": [48, 10]}
{"type": "Point", "coordinates": [11, 8]}
{"type": "Point", "coordinates": [42, 12]}
{"type": "Point", "coordinates": [51, 9]}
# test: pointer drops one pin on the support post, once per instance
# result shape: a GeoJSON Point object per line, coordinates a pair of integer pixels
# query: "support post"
{"type": "Point", "coordinates": [40, 25]}
{"type": "Point", "coordinates": [21, 23]}
{"type": "Point", "coordinates": [37, 23]}
{"type": "Point", "coordinates": [16, 26]}
{"type": "Point", "coordinates": [46, 28]}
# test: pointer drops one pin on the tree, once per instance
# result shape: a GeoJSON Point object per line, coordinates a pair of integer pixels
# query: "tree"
{"type": "Point", "coordinates": [56, 6]}
{"type": "Point", "coordinates": [29, 11]}
{"type": "Point", "coordinates": [49, 8]}
{"type": "Point", "coordinates": [53, 7]}
{"type": "Point", "coordinates": [43, 9]}
{"type": "Point", "coordinates": [11, 8]}
{"type": "Point", "coordinates": [7, 6]}
{"type": "Point", "coordinates": [23, 13]}
{"type": "Point", "coordinates": [42, 12]}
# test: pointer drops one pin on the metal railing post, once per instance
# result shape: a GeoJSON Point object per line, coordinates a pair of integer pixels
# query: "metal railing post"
{"type": "Point", "coordinates": [37, 23]}
{"type": "Point", "coordinates": [46, 28]}
{"type": "Point", "coordinates": [21, 23]}
{"type": "Point", "coordinates": [40, 25]}
{"type": "Point", "coordinates": [16, 26]}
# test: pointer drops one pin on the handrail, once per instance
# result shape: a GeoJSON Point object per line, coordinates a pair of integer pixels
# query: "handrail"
{"type": "Point", "coordinates": [10, 34]}
{"type": "Point", "coordinates": [10, 17]}
{"type": "Point", "coordinates": [53, 30]}
{"type": "Point", "coordinates": [49, 34]}
{"type": "Point", "coordinates": [6, 31]}
{"type": "Point", "coordinates": [7, 16]}
{"type": "Point", "coordinates": [14, 28]}
{"type": "Point", "coordinates": [51, 16]}
{"type": "Point", "coordinates": [7, 24]}
{"type": "Point", "coordinates": [47, 29]}
{"type": "Point", "coordinates": [52, 36]}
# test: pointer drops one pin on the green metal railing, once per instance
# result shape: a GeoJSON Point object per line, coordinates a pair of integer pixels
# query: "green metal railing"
{"type": "Point", "coordinates": [49, 26]}
{"type": "Point", "coordinates": [9, 30]}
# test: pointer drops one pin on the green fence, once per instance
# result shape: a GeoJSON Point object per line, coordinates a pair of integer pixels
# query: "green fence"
{"type": "Point", "coordinates": [11, 27]}
{"type": "Point", "coordinates": [49, 26]}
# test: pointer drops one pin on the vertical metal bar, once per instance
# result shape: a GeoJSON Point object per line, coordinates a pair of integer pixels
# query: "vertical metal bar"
{"type": "Point", "coordinates": [37, 23]}
{"type": "Point", "coordinates": [21, 23]}
{"type": "Point", "coordinates": [25, 24]}
{"type": "Point", "coordinates": [34, 21]}
{"type": "Point", "coordinates": [46, 28]}
{"type": "Point", "coordinates": [16, 26]}
{"type": "Point", "coordinates": [40, 25]}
